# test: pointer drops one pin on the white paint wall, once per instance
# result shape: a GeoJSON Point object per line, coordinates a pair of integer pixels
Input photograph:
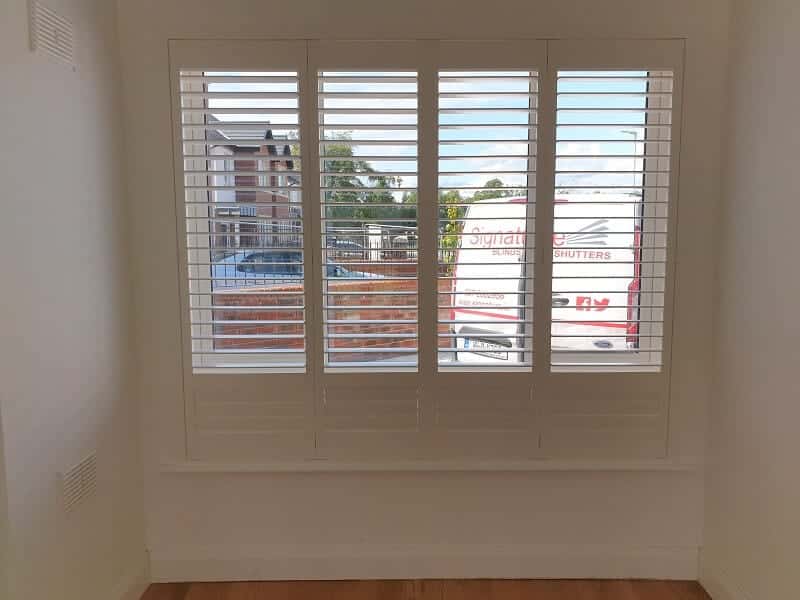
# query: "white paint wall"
{"type": "Point", "coordinates": [65, 356]}
{"type": "Point", "coordinates": [753, 493]}
{"type": "Point", "coordinates": [65, 381]}
{"type": "Point", "coordinates": [5, 550]}
{"type": "Point", "coordinates": [602, 522]}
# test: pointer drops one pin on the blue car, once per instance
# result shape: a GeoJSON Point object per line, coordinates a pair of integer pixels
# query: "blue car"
{"type": "Point", "coordinates": [271, 267]}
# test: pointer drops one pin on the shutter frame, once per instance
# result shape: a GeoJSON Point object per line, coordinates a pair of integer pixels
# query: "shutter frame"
{"type": "Point", "coordinates": [626, 415]}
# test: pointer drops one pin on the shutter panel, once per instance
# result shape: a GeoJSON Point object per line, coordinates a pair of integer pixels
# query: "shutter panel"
{"type": "Point", "coordinates": [243, 261]}
{"type": "Point", "coordinates": [480, 401]}
{"type": "Point", "coordinates": [367, 121]}
{"type": "Point", "coordinates": [244, 219]}
{"type": "Point", "coordinates": [611, 213]}
{"type": "Point", "coordinates": [606, 392]}
{"type": "Point", "coordinates": [487, 166]}
{"type": "Point", "coordinates": [368, 191]}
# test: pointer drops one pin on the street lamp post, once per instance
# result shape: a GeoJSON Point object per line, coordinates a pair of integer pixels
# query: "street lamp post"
{"type": "Point", "coordinates": [635, 134]}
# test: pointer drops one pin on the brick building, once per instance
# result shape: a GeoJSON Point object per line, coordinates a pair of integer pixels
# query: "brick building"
{"type": "Point", "coordinates": [275, 213]}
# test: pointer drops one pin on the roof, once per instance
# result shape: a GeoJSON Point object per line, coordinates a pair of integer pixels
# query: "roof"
{"type": "Point", "coordinates": [261, 138]}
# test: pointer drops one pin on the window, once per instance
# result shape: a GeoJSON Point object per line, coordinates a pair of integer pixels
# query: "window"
{"type": "Point", "coordinates": [364, 272]}
{"type": "Point", "coordinates": [368, 187]}
{"type": "Point", "coordinates": [610, 219]}
{"type": "Point", "coordinates": [244, 235]}
{"type": "Point", "coordinates": [487, 141]}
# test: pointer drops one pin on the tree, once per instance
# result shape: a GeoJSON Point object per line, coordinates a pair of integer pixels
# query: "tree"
{"type": "Point", "coordinates": [453, 208]}
{"type": "Point", "coordinates": [494, 189]}
{"type": "Point", "coordinates": [370, 200]}
{"type": "Point", "coordinates": [451, 214]}
{"type": "Point", "coordinates": [409, 198]}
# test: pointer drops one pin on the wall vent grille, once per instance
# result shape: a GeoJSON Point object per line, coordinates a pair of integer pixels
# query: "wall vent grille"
{"type": "Point", "coordinates": [51, 33]}
{"type": "Point", "coordinates": [79, 482]}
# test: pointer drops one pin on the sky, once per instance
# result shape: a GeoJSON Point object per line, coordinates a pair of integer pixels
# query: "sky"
{"type": "Point", "coordinates": [505, 116]}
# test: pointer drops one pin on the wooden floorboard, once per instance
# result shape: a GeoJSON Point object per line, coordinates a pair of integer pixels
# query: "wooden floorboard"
{"type": "Point", "coordinates": [432, 589]}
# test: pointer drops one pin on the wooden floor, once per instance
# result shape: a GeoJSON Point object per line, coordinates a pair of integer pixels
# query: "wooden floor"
{"type": "Point", "coordinates": [432, 590]}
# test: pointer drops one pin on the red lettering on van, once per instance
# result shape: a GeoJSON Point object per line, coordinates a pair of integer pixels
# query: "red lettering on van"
{"type": "Point", "coordinates": [588, 303]}
{"type": "Point", "coordinates": [511, 238]}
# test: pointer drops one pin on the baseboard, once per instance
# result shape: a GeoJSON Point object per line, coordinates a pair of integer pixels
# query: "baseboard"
{"type": "Point", "coordinates": [133, 586]}
{"type": "Point", "coordinates": [423, 561]}
{"type": "Point", "coordinates": [717, 584]}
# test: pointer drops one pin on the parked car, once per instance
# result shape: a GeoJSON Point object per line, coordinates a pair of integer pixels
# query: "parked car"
{"type": "Point", "coordinates": [272, 263]}
{"type": "Point", "coordinates": [345, 248]}
{"type": "Point", "coordinates": [271, 267]}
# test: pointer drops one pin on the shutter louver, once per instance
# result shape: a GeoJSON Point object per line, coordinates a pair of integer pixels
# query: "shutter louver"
{"type": "Point", "coordinates": [244, 220]}
{"type": "Point", "coordinates": [487, 167]}
{"type": "Point", "coordinates": [368, 188]}
{"type": "Point", "coordinates": [612, 184]}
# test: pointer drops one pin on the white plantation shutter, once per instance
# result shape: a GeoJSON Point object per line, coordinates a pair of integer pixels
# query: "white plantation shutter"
{"type": "Point", "coordinates": [244, 218]}
{"type": "Point", "coordinates": [358, 225]}
{"type": "Point", "coordinates": [487, 166]}
{"type": "Point", "coordinates": [611, 213]}
{"type": "Point", "coordinates": [368, 195]}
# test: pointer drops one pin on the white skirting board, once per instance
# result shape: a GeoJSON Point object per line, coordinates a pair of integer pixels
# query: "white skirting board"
{"type": "Point", "coordinates": [425, 561]}
{"type": "Point", "coordinates": [133, 586]}
{"type": "Point", "coordinates": [717, 584]}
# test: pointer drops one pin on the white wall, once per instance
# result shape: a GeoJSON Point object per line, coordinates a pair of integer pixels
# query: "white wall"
{"type": "Point", "coordinates": [5, 550]}
{"type": "Point", "coordinates": [65, 357]}
{"type": "Point", "coordinates": [616, 520]}
{"type": "Point", "coordinates": [753, 494]}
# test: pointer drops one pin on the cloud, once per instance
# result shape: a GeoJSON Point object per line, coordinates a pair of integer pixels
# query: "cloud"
{"type": "Point", "coordinates": [594, 163]}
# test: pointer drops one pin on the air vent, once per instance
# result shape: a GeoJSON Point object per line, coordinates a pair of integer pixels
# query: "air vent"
{"type": "Point", "coordinates": [51, 33]}
{"type": "Point", "coordinates": [79, 482]}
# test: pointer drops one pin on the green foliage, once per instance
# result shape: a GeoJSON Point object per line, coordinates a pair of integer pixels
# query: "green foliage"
{"type": "Point", "coordinates": [369, 197]}
{"type": "Point", "coordinates": [349, 172]}
{"type": "Point", "coordinates": [451, 214]}
{"type": "Point", "coordinates": [452, 208]}
{"type": "Point", "coordinates": [495, 191]}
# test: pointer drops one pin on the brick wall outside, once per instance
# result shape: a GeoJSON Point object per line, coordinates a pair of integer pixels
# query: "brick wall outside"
{"type": "Point", "coordinates": [401, 268]}
{"type": "Point", "coordinates": [258, 302]}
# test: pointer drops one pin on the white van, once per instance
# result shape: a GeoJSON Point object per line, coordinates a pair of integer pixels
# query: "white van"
{"type": "Point", "coordinates": [596, 278]}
